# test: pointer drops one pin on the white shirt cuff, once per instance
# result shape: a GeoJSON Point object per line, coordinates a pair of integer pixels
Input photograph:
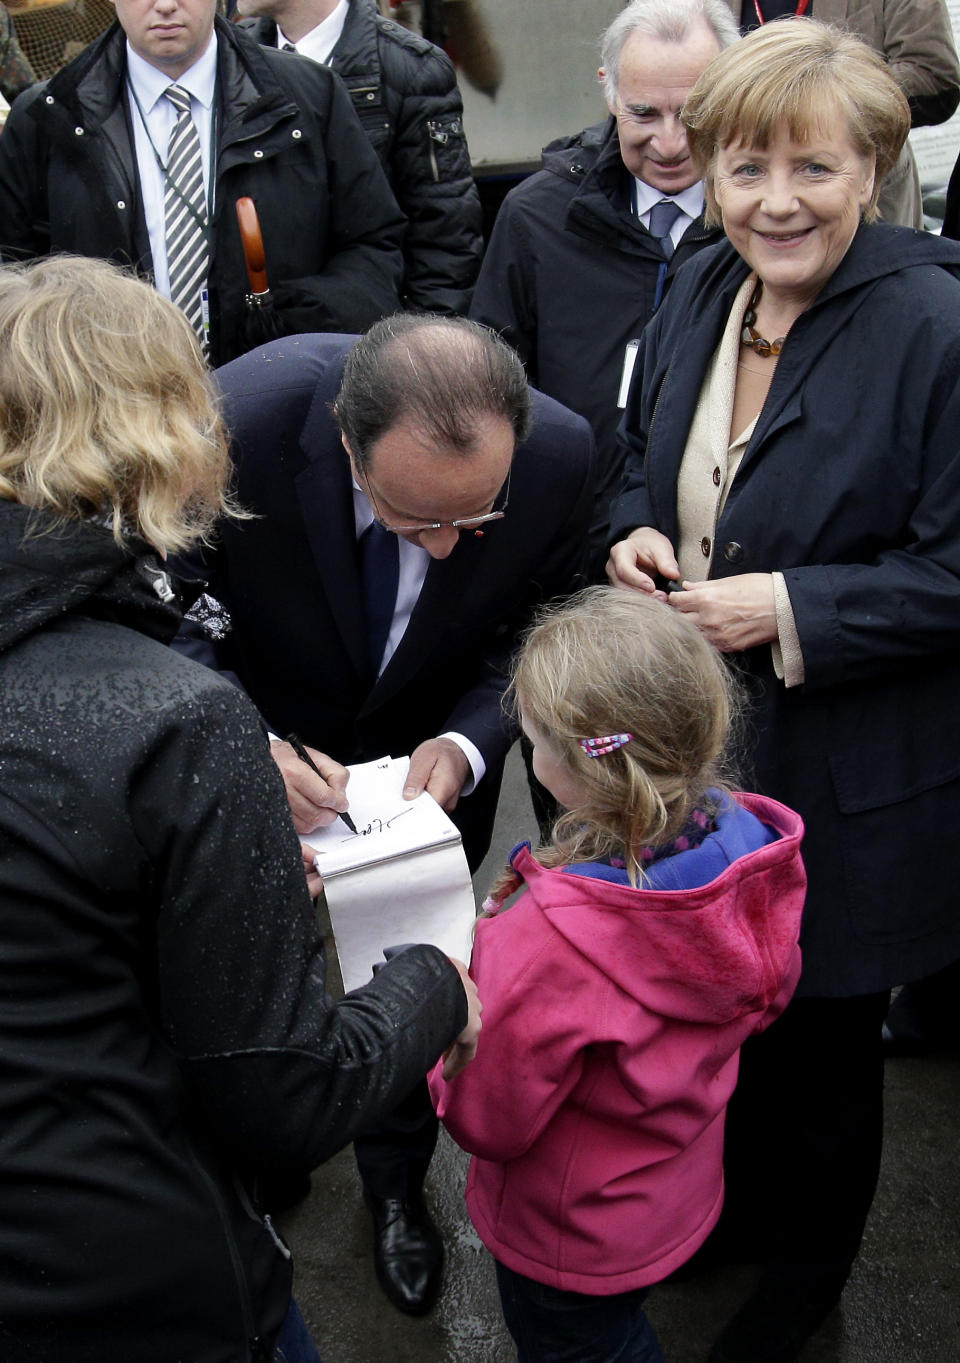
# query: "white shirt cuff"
{"type": "Point", "coordinates": [472, 753]}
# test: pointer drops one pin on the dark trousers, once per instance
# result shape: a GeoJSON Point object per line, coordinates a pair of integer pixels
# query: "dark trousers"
{"type": "Point", "coordinates": [803, 1140]}
{"type": "Point", "coordinates": [925, 1011]}
{"type": "Point", "coordinates": [295, 1344]}
{"type": "Point", "coordinates": [393, 1156]}
{"type": "Point", "coordinates": [551, 1326]}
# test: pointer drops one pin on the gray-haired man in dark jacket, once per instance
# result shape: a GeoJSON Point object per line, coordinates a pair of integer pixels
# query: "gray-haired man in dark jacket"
{"type": "Point", "coordinates": [579, 261]}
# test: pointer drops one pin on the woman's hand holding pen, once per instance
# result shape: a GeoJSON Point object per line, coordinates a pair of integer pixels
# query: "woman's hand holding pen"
{"type": "Point", "coordinates": [316, 794]}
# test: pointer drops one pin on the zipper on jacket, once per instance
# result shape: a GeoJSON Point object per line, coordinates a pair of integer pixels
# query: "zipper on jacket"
{"type": "Point", "coordinates": [439, 135]}
{"type": "Point", "coordinates": [276, 1237]}
{"type": "Point", "coordinates": [254, 1342]}
{"type": "Point", "coordinates": [653, 415]}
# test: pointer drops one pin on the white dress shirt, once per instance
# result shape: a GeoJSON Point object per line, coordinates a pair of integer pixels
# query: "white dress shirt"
{"type": "Point", "coordinates": [148, 85]}
{"type": "Point", "coordinates": [414, 562]}
{"type": "Point", "coordinates": [320, 41]}
{"type": "Point", "coordinates": [689, 201]}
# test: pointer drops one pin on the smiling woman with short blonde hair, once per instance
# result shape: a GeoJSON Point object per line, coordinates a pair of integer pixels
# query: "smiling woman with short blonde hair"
{"type": "Point", "coordinates": [800, 77]}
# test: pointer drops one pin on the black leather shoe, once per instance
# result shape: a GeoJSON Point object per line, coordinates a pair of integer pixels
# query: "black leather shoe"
{"type": "Point", "coordinates": [771, 1327]}
{"type": "Point", "coordinates": [407, 1252]}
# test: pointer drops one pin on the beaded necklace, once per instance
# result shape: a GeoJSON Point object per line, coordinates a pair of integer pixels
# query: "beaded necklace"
{"type": "Point", "coordinates": [749, 336]}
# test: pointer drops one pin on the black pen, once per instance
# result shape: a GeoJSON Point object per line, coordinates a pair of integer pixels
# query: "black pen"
{"type": "Point", "coordinates": [304, 756]}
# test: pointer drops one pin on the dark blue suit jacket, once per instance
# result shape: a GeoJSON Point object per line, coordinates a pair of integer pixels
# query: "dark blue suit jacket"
{"type": "Point", "coordinates": [291, 584]}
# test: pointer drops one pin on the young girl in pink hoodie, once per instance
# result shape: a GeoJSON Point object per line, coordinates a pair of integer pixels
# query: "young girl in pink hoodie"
{"type": "Point", "coordinates": [655, 933]}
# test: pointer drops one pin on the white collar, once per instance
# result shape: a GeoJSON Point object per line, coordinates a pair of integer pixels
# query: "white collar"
{"type": "Point", "coordinates": [689, 200]}
{"type": "Point", "coordinates": [150, 83]}
{"type": "Point", "coordinates": [321, 40]}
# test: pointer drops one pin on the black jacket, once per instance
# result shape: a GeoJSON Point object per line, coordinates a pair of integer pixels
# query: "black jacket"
{"type": "Point", "coordinates": [850, 486]}
{"type": "Point", "coordinates": [404, 90]}
{"type": "Point", "coordinates": [164, 1018]}
{"type": "Point", "coordinates": [287, 137]}
{"type": "Point", "coordinates": [571, 275]}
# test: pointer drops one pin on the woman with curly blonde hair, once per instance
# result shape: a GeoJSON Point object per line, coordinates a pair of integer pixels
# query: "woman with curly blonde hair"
{"type": "Point", "coordinates": [164, 1032]}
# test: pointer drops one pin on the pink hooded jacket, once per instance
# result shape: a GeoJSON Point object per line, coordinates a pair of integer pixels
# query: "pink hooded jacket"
{"type": "Point", "coordinates": [613, 1019]}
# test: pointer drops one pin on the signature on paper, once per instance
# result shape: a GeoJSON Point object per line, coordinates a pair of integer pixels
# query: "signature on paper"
{"type": "Point", "coordinates": [378, 825]}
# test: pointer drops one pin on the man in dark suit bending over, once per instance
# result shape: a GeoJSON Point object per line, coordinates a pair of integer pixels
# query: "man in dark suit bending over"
{"type": "Point", "coordinates": [414, 504]}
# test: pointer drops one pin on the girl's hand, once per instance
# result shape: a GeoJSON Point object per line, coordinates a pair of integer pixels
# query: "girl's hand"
{"type": "Point", "coordinates": [458, 1056]}
{"type": "Point", "coordinates": [642, 556]}
{"type": "Point", "coordinates": [734, 612]}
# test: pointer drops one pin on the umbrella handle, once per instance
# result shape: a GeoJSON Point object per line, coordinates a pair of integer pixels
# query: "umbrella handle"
{"type": "Point", "coordinates": [254, 255]}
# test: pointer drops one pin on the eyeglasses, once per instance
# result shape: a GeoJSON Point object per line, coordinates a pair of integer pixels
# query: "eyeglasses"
{"type": "Point", "coordinates": [463, 523]}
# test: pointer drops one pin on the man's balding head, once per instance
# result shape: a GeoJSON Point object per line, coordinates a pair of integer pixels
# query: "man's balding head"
{"type": "Point", "coordinates": [442, 376]}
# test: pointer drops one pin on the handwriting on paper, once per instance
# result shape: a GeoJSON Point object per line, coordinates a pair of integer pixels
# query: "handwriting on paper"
{"type": "Point", "coordinates": [377, 826]}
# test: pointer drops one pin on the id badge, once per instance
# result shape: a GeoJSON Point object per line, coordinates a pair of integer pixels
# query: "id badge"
{"type": "Point", "coordinates": [629, 361]}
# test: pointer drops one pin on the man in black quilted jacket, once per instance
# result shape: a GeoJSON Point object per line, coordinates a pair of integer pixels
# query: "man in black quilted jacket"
{"type": "Point", "coordinates": [405, 92]}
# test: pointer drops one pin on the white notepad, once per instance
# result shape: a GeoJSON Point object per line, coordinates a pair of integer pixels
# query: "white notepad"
{"type": "Point", "coordinates": [401, 878]}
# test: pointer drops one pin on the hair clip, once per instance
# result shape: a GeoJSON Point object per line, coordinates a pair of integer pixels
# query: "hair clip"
{"type": "Point", "coordinates": [598, 747]}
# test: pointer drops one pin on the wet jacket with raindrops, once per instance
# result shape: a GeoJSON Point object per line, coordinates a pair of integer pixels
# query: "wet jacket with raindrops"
{"type": "Point", "coordinates": [163, 1020]}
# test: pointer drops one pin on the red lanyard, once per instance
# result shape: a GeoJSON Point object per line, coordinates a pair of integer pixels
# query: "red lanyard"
{"type": "Point", "coordinates": [802, 7]}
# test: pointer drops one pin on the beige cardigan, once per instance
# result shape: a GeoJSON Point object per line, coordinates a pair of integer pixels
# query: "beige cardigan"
{"type": "Point", "coordinates": [710, 462]}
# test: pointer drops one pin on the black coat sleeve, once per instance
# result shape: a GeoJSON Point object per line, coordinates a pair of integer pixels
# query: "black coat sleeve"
{"type": "Point", "coordinates": [432, 179]}
{"type": "Point", "coordinates": [631, 508]}
{"type": "Point", "coordinates": [505, 298]}
{"type": "Point", "coordinates": [360, 279]}
{"type": "Point", "coordinates": [280, 1071]}
{"type": "Point", "coordinates": [24, 229]}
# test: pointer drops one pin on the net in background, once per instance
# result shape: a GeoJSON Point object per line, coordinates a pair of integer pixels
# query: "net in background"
{"type": "Point", "coordinates": [53, 32]}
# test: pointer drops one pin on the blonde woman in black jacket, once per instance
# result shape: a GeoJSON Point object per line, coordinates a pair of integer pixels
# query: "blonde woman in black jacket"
{"type": "Point", "coordinates": [163, 1024]}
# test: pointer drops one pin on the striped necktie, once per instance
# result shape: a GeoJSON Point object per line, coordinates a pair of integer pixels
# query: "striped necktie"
{"type": "Point", "coordinates": [185, 214]}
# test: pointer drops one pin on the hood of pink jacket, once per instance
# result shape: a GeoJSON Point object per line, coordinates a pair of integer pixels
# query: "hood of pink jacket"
{"type": "Point", "coordinates": [708, 954]}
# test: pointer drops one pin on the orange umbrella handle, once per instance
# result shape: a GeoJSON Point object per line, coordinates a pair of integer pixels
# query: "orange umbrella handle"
{"type": "Point", "coordinates": [253, 252]}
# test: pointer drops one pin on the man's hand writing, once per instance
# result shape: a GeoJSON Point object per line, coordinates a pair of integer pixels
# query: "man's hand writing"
{"type": "Point", "coordinates": [315, 801]}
